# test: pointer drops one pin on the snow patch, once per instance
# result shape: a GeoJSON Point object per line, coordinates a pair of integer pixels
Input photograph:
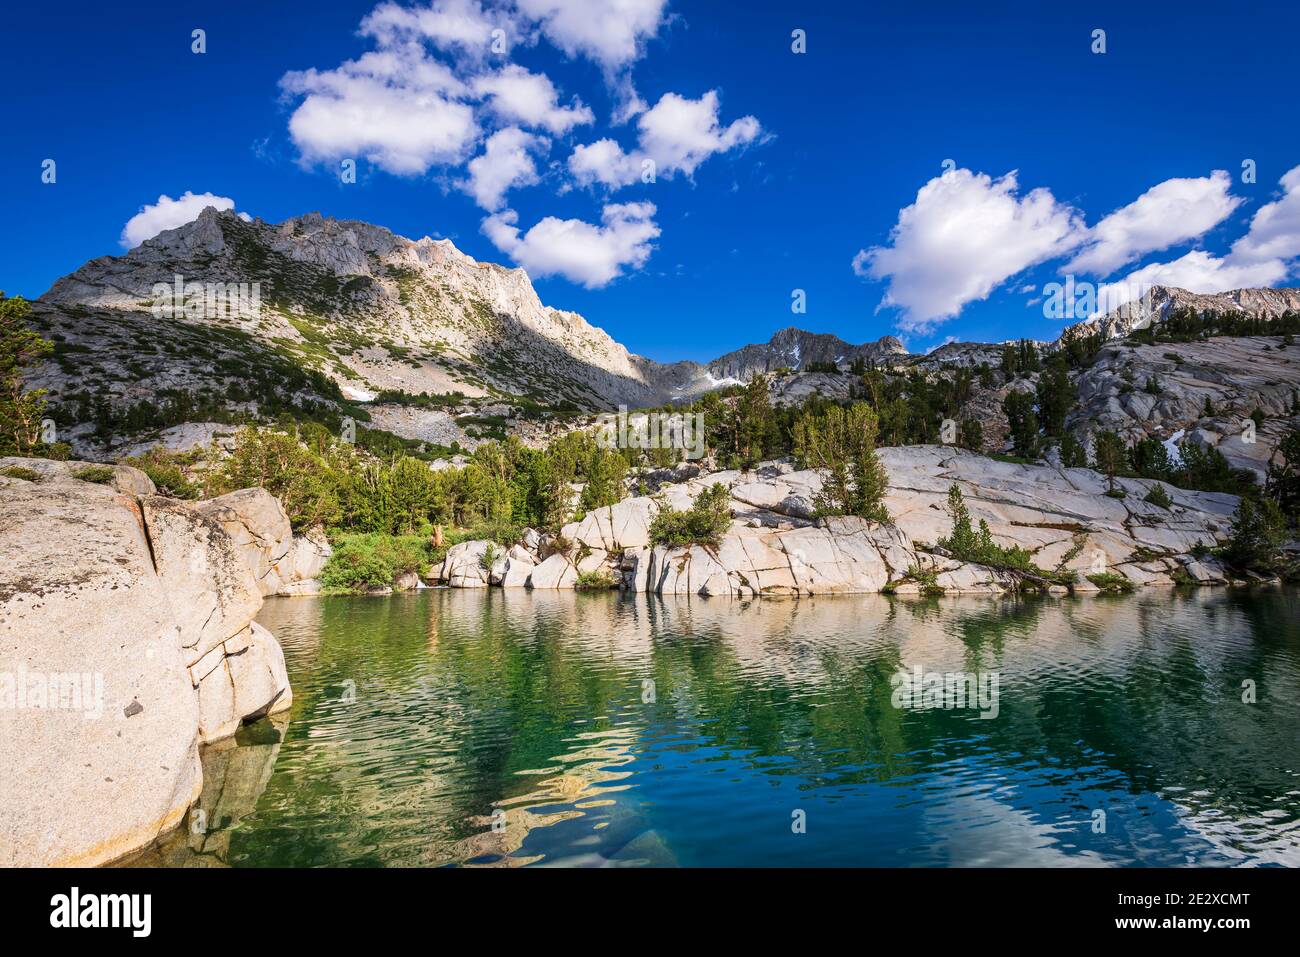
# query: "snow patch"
{"type": "Point", "coordinates": [1171, 446]}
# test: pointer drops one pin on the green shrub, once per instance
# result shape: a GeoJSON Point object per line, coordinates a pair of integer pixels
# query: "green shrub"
{"type": "Point", "coordinates": [21, 349]}
{"type": "Point", "coordinates": [927, 579]}
{"type": "Point", "coordinates": [840, 444]}
{"type": "Point", "coordinates": [1111, 582]}
{"type": "Point", "coordinates": [20, 472]}
{"type": "Point", "coordinates": [704, 523]}
{"type": "Point", "coordinates": [1073, 454]}
{"type": "Point", "coordinates": [598, 579]}
{"type": "Point", "coordinates": [968, 545]}
{"type": "Point", "coordinates": [99, 474]}
{"type": "Point", "coordinates": [169, 471]}
{"type": "Point", "coordinates": [1159, 497]}
{"type": "Point", "coordinates": [373, 560]}
{"type": "Point", "coordinates": [303, 482]}
{"type": "Point", "coordinates": [501, 531]}
{"type": "Point", "coordinates": [1258, 533]}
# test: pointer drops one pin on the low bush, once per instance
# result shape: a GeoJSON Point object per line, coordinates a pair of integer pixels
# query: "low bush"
{"type": "Point", "coordinates": [1111, 582]}
{"type": "Point", "coordinates": [1159, 497]}
{"type": "Point", "coordinates": [373, 560]}
{"type": "Point", "coordinates": [20, 472]}
{"type": "Point", "coordinates": [1258, 533]}
{"type": "Point", "coordinates": [598, 579]}
{"type": "Point", "coordinates": [170, 471]}
{"type": "Point", "coordinates": [927, 579]}
{"type": "Point", "coordinates": [99, 474]}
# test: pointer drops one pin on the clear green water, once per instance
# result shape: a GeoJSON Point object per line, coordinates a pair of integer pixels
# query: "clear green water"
{"type": "Point", "coordinates": [511, 728]}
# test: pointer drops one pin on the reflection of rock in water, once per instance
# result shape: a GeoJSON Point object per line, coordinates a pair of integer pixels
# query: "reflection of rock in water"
{"type": "Point", "coordinates": [235, 773]}
{"type": "Point", "coordinates": [583, 792]}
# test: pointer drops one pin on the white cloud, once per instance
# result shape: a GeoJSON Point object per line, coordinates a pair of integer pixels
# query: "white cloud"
{"type": "Point", "coordinates": [1172, 212]}
{"type": "Point", "coordinates": [506, 162]}
{"type": "Point", "coordinates": [439, 81]}
{"type": "Point", "coordinates": [965, 234]}
{"type": "Point", "coordinates": [610, 32]}
{"type": "Point", "coordinates": [676, 135]}
{"type": "Point", "coordinates": [1275, 228]}
{"type": "Point", "coordinates": [517, 96]}
{"type": "Point", "coordinates": [169, 213]}
{"type": "Point", "coordinates": [1197, 271]}
{"type": "Point", "coordinates": [580, 251]}
{"type": "Point", "coordinates": [447, 24]}
{"type": "Point", "coordinates": [1264, 256]}
{"type": "Point", "coordinates": [604, 162]}
{"type": "Point", "coordinates": [394, 107]}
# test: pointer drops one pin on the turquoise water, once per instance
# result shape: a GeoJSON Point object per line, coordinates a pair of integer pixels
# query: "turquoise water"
{"type": "Point", "coordinates": [514, 728]}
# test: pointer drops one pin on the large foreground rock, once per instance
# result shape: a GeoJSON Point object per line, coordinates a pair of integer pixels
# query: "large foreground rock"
{"type": "Point", "coordinates": [282, 563]}
{"type": "Point", "coordinates": [114, 610]}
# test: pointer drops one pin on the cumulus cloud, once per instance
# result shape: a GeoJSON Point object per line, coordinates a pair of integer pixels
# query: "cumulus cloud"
{"type": "Point", "coordinates": [394, 107]}
{"type": "Point", "coordinates": [463, 25]}
{"type": "Point", "coordinates": [1275, 228]}
{"type": "Point", "coordinates": [409, 104]}
{"type": "Point", "coordinates": [593, 255]}
{"type": "Point", "coordinates": [438, 90]}
{"type": "Point", "coordinates": [676, 135]}
{"type": "Point", "coordinates": [965, 235]}
{"type": "Point", "coordinates": [613, 33]}
{"type": "Point", "coordinates": [506, 162]}
{"type": "Point", "coordinates": [518, 96]}
{"type": "Point", "coordinates": [1173, 212]}
{"type": "Point", "coordinates": [1264, 256]}
{"type": "Point", "coordinates": [169, 213]}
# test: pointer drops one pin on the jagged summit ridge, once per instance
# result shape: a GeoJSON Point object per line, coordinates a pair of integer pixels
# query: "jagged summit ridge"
{"type": "Point", "coordinates": [1159, 301]}
{"type": "Point", "coordinates": [793, 348]}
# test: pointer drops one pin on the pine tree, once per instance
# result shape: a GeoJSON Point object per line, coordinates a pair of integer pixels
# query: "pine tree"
{"type": "Point", "coordinates": [20, 410]}
{"type": "Point", "coordinates": [1022, 422]}
{"type": "Point", "coordinates": [841, 444]}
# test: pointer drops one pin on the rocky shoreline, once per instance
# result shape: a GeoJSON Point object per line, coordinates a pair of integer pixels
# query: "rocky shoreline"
{"type": "Point", "coordinates": [776, 546]}
{"type": "Point", "coordinates": [127, 640]}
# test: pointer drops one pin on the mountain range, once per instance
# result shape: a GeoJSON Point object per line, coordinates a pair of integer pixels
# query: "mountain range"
{"type": "Point", "coordinates": [329, 312]}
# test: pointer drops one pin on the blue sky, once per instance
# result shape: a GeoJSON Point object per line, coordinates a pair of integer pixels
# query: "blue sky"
{"type": "Point", "coordinates": [775, 171]}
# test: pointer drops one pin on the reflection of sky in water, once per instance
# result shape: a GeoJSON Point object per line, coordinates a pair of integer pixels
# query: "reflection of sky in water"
{"type": "Point", "coordinates": [505, 729]}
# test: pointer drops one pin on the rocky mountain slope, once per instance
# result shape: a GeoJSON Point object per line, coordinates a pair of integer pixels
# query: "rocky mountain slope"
{"type": "Point", "coordinates": [797, 350]}
{"type": "Point", "coordinates": [345, 310]}
{"type": "Point", "coordinates": [1162, 390]}
{"type": "Point", "coordinates": [1161, 300]}
{"type": "Point", "coordinates": [372, 311]}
